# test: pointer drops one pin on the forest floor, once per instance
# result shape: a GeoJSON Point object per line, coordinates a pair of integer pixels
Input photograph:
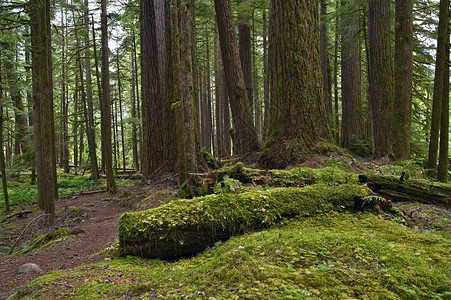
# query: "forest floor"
{"type": "Point", "coordinates": [89, 267]}
{"type": "Point", "coordinates": [93, 220]}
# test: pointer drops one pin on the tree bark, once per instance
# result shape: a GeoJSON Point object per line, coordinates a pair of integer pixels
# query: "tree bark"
{"type": "Point", "coordinates": [381, 75]}
{"type": "Point", "coordinates": [244, 128]}
{"type": "Point", "coordinates": [443, 161]}
{"type": "Point", "coordinates": [438, 84]}
{"type": "Point", "coordinates": [265, 77]}
{"type": "Point", "coordinates": [106, 103]}
{"type": "Point", "coordinates": [299, 114]}
{"type": "Point", "coordinates": [403, 79]}
{"type": "Point", "coordinates": [2, 153]}
{"type": "Point", "coordinates": [350, 76]}
{"type": "Point", "coordinates": [152, 109]}
{"type": "Point", "coordinates": [43, 109]}
{"type": "Point", "coordinates": [324, 55]}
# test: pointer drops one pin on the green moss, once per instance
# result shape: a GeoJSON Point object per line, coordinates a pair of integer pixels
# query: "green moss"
{"type": "Point", "coordinates": [182, 227]}
{"type": "Point", "coordinates": [297, 177]}
{"type": "Point", "coordinates": [211, 161]}
{"type": "Point", "coordinates": [50, 238]}
{"type": "Point", "coordinates": [332, 256]}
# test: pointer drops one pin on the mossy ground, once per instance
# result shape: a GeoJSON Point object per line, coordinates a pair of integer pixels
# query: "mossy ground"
{"type": "Point", "coordinates": [331, 256]}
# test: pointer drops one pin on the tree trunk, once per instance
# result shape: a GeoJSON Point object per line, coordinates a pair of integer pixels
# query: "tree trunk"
{"type": "Point", "coordinates": [90, 127]}
{"type": "Point", "coordinates": [324, 55]}
{"type": "Point", "coordinates": [443, 161]}
{"type": "Point", "coordinates": [265, 77]}
{"type": "Point", "coordinates": [133, 112]}
{"type": "Point", "coordinates": [336, 45]}
{"type": "Point", "coordinates": [244, 128]}
{"type": "Point", "coordinates": [186, 36]}
{"type": "Point", "coordinates": [381, 75]}
{"type": "Point", "coordinates": [299, 114]}
{"type": "Point", "coordinates": [120, 110]}
{"type": "Point", "coordinates": [350, 76]}
{"type": "Point", "coordinates": [244, 42]}
{"type": "Point", "coordinates": [220, 151]}
{"type": "Point", "coordinates": [403, 79]}
{"type": "Point", "coordinates": [2, 153]}
{"type": "Point", "coordinates": [209, 132]}
{"type": "Point", "coordinates": [75, 122]}
{"type": "Point", "coordinates": [43, 101]}
{"type": "Point", "coordinates": [106, 103]}
{"type": "Point", "coordinates": [438, 84]}
{"type": "Point", "coordinates": [152, 110]}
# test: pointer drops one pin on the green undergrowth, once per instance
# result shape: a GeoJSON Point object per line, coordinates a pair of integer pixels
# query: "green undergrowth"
{"type": "Point", "coordinates": [23, 192]}
{"type": "Point", "coordinates": [329, 256]}
{"type": "Point", "coordinates": [178, 222]}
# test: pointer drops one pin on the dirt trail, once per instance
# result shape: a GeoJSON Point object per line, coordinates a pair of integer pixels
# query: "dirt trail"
{"type": "Point", "coordinates": [96, 232]}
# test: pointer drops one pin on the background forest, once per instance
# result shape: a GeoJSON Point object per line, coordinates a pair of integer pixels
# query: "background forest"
{"type": "Point", "coordinates": [325, 122]}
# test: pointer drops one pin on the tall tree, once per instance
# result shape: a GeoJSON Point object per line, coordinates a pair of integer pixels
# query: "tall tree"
{"type": "Point", "coordinates": [245, 133]}
{"type": "Point", "coordinates": [244, 43]}
{"type": "Point", "coordinates": [2, 153]}
{"type": "Point", "coordinates": [186, 45]}
{"type": "Point", "coordinates": [443, 161]}
{"type": "Point", "coordinates": [298, 119]}
{"type": "Point", "coordinates": [90, 127]}
{"type": "Point", "coordinates": [350, 74]}
{"type": "Point", "coordinates": [152, 108]}
{"type": "Point", "coordinates": [106, 103]}
{"type": "Point", "coordinates": [324, 55]}
{"type": "Point", "coordinates": [438, 83]}
{"type": "Point", "coordinates": [381, 75]}
{"type": "Point", "coordinates": [403, 79]}
{"type": "Point", "coordinates": [43, 107]}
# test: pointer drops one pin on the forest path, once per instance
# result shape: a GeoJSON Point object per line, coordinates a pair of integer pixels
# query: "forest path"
{"type": "Point", "coordinates": [97, 229]}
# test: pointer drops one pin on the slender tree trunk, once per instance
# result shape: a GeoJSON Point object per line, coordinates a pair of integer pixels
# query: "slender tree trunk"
{"type": "Point", "coordinates": [106, 103]}
{"type": "Point", "coordinates": [324, 56]}
{"type": "Point", "coordinates": [381, 75]}
{"type": "Point", "coordinates": [75, 122]}
{"type": "Point", "coordinates": [218, 100]}
{"type": "Point", "coordinates": [443, 162]}
{"type": "Point", "coordinates": [210, 136]}
{"type": "Point", "coordinates": [299, 111]}
{"type": "Point", "coordinates": [265, 76]}
{"type": "Point", "coordinates": [99, 88]}
{"type": "Point", "coordinates": [90, 127]}
{"type": "Point", "coordinates": [403, 79]}
{"type": "Point", "coordinates": [244, 42]}
{"type": "Point", "coordinates": [2, 153]}
{"type": "Point", "coordinates": [258, 115]}
{"type": "Point", "coordinates": [244, 128]}
{"type": "Point", "coordinates": [152, 110]}
{"type": "Point", "coordinates": [43, 101]}
{"type": "Point", "coordinates": [438, 84]}
{"type": "Point", "coordinates": [133, 112]}
{"type": "Point", "coordinates": [30, 109]}
{"type": "Point", "coordinates": [186, 45]}
{"type": "Point", "coordinates": [120, 110]}
{"type": "Point", "coordinates": [138, 106]}
{"type": "Point", "coordinates": [350, 76]}
{"type": "Point", "coordinates": [64, 147]}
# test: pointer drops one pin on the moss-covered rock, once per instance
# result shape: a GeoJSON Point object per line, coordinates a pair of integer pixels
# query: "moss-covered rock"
{"type": "Point", "coordinates": [186, 227]}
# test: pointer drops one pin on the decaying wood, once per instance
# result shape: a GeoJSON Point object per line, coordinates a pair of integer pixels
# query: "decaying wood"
{"type": "Point", "coordinates": [399, 190]}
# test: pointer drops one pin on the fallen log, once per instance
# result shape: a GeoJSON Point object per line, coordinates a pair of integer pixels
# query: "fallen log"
{"type": "Point", "coordinates": [297, 177]}
{"type": "Point", "coordinates": [183, 228]}
{"type": "Point", "coordinates": [400, 190]}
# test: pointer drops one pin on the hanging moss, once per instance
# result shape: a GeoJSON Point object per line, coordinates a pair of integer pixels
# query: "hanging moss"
{"type": "Point", "coordinates": [186, 227]}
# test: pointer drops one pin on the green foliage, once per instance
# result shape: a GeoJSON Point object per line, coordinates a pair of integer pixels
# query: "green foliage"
{"type": "Point", "coordinates": [333, 256]}
{"type": "Point", "coordinates": [48, 239]}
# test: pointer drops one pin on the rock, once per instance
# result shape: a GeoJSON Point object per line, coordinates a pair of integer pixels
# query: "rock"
{"type": "Point", "coordinates": [28, 269]}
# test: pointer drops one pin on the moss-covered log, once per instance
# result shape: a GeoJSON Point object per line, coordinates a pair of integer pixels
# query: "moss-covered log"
{"type": "Point", "coordinates": [402, 190]}
{"type": "Point", "coordinates": [186, 227]}
{"type": "Point", "coordinates": [297, 177]}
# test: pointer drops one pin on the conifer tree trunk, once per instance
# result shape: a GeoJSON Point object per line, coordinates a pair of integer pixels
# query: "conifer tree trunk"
{"type": "Point", "coordinates": [265, 76]}
{"type": "Point", "coordinates": [64, 147]}
{"type": "Point", "coordinates": [336, 45]}
{"type": "Point", "coordinates": [381, 75]}
{"type": "Point", "coordinates": [324, 44]}
{"type": "Point", "coordinates": [244, 42]}
{"type": "Point", "coordinates": [133, 112]}
{"type": "Point", "coordinates": [106, 103]}
{"type": "Point", "coordinates": [350, 76]}
{"type": "Point", "coordinates": [2, 153]}
{"type": "Point", "coordinates": [438, 84]}
{"type": "Point", "coordinates": [403, 79]}
{"type": "Point", "coordinates": [121, 121]}
{"type": "Point", "coordinates": [443, 161]}
{"type": "Point", "coordinates": [30, 107]}
{"type": "Point", "coordinates": [186, 45]}
{"type": "Point", "coordinates": [298, 119]}
{"type": "Point", "coordinates": [152, 110]}
{"type": "Point", "coordinates": [244, 129]}
{"type": "Point", "coordinates": [43, 109]}
{"type": "Point", "coordinates": [75, 122]}
{"type": "Point", "coordinates": [209, 131]}
{"type": "Point", "coordinates": [90, 127]}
